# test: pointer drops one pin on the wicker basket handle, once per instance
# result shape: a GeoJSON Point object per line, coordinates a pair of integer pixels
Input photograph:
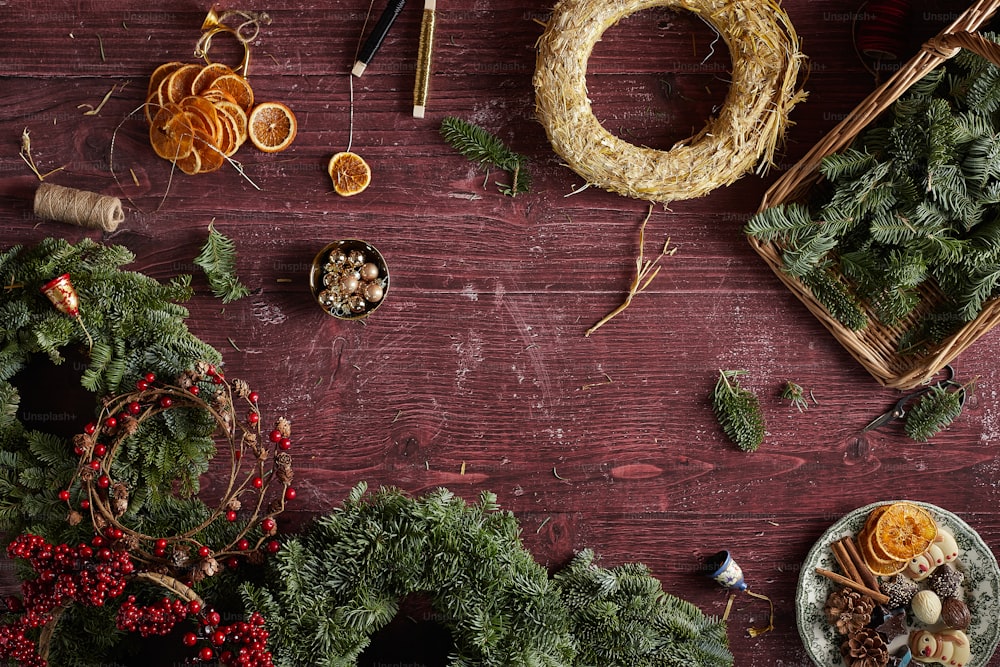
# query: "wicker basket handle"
{"type": "Point", "coordinates": [947, 45]}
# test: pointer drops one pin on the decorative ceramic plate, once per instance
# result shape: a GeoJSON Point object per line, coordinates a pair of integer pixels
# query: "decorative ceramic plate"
{"type": "Point", "coordinates": [981, 588]}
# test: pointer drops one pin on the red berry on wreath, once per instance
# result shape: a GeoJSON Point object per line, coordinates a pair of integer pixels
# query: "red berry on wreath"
{"type": "Point", "coordinates": [253, 417]}
{"type": "Point", "coordinates": [97, 541]}
{"type": "Point", "coordinates": [194, 606]}
{"type": "Point", "coordinates": [275, 435]}
{"type": "Point", "coordinates": [218, 637]}
{"type": "Point", "coordinates": [103, 481]}
{"type": "Point", "coordinates": [85, 504]}
{"type": "Point", "coordinates": [243, 544]}
{"type": "Point", "coordinates": [190, 639]}
{"type": "Point", "coordinates": [135, 407]}
{"type": "Point", "coordinates": [204, 552]}
{"type": "Point", "coordinates": [211, 370]}
{"type": "Point", "coordinates": [166, 401]}
{"type": "Point", "coordinates": [161, 543]}
{"type": "Point", "coordinates": [257, 483]}
{"type": "Point", "coordinates": [285, 444]}
{"type": "Point", "coordinates": [111, 422]}
{"type": "Point", "coordinates": [142, 385]}
{"type": "Point", "coordinates": [116, 533]}
{"type": "Point", "coordinates": [232, 563]}
{"type": "Point", "coordinates": [90, 428]}
{"type": "Point", "coordinates": [254, 397]}
{"type": "Point", "coordinates": [150, 377]}
{"type": "Point", "coordinates": [290, 493]}
{"type": "Point", "coordinates": [212, 617]}
{"type": "Point", "coordinates": [273, 547]}
{"type": "Point", "coordinates": [194, 389]}
{"type": "Point", "coordinates": [231, 515]}
{"type": "Point", "coordinates": [64, 495]}
{"type": "Point", "coordinates": [94, 465]}
{"type": "Point", "coordinates": [268, 524]}
{"type": "Point", "coordinates": [206, 653]}
{"type": "Point", "coordinates": [218, 379]}
{"type": "Point", "coordinates": [100, 449]}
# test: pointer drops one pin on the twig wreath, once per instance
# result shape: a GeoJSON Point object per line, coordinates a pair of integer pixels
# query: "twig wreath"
{"type": "Point", "coordinates": [765, 66]}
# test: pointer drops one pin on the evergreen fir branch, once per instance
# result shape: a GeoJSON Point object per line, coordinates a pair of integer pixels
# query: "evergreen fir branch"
{"type": "Point", "coordinates": [218, 260]}
{"type": "Point", "coordinates": [738, 411]}
{"type": "Point", "coordinates": [482, 147]}
{"type": "Point", "coordinates": [783, 222]}
{"type": "Point", "coordinates": [801, 258]}
{"type": "Point", "coordinates": [842, 305]}
{"type": "Point", "coordinates": [935, 410]}
{"type": "Point", "coordinates": [796, 394]}
{"type": "Point", "coordinates": [849, 164]}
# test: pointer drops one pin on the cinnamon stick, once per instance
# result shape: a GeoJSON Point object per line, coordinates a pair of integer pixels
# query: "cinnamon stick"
{"type": "Point", "coordinates": [867, 576]}
{"type": "Point", "coordinates": [846, 563]}
{"type": "Point", "coordinates": [878, 596]}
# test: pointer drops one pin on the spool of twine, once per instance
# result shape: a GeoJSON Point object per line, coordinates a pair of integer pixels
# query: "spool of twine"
{"type": "Point", "coordinates": [78, 207]}
{"type": "Point", "coordinates": [882, 32]}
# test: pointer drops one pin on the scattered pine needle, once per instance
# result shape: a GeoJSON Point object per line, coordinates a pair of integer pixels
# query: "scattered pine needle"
{"type": "Point", "coordinates": [233, 344]}
{"type": "Point", "coordinates": [542, 524]}
{"type": "Point", "coordinates": [556, 475]}
{"type": "Point", "coordinates": [462, 472]}
{"type": "Point", "coordinates": [645, 272]}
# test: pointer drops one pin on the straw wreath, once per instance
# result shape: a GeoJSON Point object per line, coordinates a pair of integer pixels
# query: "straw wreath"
{"type": "Point", "coordinates": [765, 66]}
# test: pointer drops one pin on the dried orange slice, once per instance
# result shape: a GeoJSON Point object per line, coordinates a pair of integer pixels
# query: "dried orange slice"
{"type": "Point", "coordinates": [350, 173]}
{"type": "Point", "coordinates": [171, 134]}
{"type": "Point", "coordinates": [161, 73]}
{"type": "Point", "coordinates": [904, 530]}
{"type": "Point", "coordinates": [230, 110]}
{"type": "Point", "coordinates": [207, 76]}
{"type": "Point", "coordinates": [178, 83]}
{"type": "Point", "coordinates": [237, 87]}
{"type": "Point", "coordinates": [272, 126]}
{"type": "Point", "coordinates": [875, 559]}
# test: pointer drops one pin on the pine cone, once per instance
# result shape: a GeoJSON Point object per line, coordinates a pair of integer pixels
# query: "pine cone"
{"type": "Point", "coordinates": [284, 427]}
{"type": "Point", "coordinates": [283, 467]}
{"type": "Point", "coordinates": [848, 610]}
{"type": "Point", "coordinates": [241, 388]}
{"type": "Point", "coordinates": [865, 648]}
{"type": "Point", "coordinates": [119, 499]}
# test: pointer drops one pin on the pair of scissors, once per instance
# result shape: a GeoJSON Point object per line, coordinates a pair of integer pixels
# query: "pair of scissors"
{"type": "Point", "coordinates": [902, 405]}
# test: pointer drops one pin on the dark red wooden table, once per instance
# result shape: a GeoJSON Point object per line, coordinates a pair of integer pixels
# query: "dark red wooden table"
{"type": "Point", "coordinates": [475, 373]}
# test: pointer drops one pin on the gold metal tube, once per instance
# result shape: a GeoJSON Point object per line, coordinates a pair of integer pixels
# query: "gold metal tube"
{"type": "Point", "coordinates": [423, 81]}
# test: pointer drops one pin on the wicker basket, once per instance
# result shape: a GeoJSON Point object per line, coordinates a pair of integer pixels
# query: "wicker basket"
{"type": "Point", "coordinates": [875, 346]}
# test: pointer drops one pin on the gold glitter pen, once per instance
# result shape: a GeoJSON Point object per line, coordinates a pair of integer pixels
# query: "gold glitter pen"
{"type": "Point", "coordinates": [424, 59]}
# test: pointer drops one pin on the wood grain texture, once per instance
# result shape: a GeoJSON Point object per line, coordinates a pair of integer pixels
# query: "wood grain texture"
{"type": "Point", "coordinates": [475, 373]}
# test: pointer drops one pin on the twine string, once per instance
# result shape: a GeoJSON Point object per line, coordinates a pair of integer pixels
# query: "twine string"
{"type": "Point", "coordinates": [82, 208]}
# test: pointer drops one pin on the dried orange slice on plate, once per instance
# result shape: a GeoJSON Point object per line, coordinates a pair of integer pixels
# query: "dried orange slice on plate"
{"type": "Point", "coordinates": [272, 126]}
{"type": "Point", "coordinates": [904, 530]}
{"type": "Point", "coordinates": [177, 85]}
{"type": "Point", "coordinates": [876, 560]}
{"type": "Point", "coordinates": [350, 173]}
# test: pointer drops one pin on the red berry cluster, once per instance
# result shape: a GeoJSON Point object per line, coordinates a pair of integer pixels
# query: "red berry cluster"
{"type": "Point", "coordinates": [242, 644]}
{"type": "Point", "coordinates": [88, 575]}
{"type": "Point", "coordinates": [158, 618]}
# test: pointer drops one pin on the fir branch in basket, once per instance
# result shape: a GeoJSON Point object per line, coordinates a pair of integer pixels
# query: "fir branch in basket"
{"type": "Point", "coordinates": [218, 260]}
{"type": "Point", "coordinates": [480, 146]}
{"type": "Point", "coordinates": [738, 411]}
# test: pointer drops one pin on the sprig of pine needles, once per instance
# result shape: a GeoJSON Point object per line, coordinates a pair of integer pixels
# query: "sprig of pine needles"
{"type": "Point", "coordinates": [935, 410]}
{"type": "Point", "coordinates": [218, 260]}
{"type": "Point", "coordinates": [796, 394]}
{"type": "Point", "coordinates": [738, 411]}
{"type": "Point", "coordinates": [480, 146]}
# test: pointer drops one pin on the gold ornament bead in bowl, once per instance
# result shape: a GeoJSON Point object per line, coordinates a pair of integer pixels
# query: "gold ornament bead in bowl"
{"type": "Point", "coordinates": [349, 279]}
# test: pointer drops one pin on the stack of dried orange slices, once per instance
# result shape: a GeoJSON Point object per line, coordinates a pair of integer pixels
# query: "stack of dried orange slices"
{"type": "Point", "coordinates": [893, 534]}
{"type": "Point", "coordinates": [199, 115]}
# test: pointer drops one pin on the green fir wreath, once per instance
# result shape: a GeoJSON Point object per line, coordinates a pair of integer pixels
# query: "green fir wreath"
{"type": "Point", "coordinates": [133, 324]}
{"type": "Point", "coordinates": [331, 589]}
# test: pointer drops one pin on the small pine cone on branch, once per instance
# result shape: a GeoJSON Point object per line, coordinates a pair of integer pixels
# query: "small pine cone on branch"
{"type": "Point", "coordinates": [848, 610]}
{"type": "Point", "coordinates": [283, 467]}
{"type": "Point", "coordinates": [83, 441]}
{"type": "Point", "coordinates": [241, 388]}
{"type": "Point", "coordinates": [284, 427]}
{"type": "Point", "coordinates": [865, 648]}
{"type": "Point", "coordinates": [119, 499]}
{"type": "Point", "coordinates": [74, 518]}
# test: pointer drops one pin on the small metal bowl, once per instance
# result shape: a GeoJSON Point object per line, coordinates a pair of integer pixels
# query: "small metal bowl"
{"type": "Point", "coordinates": [349, 279]}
